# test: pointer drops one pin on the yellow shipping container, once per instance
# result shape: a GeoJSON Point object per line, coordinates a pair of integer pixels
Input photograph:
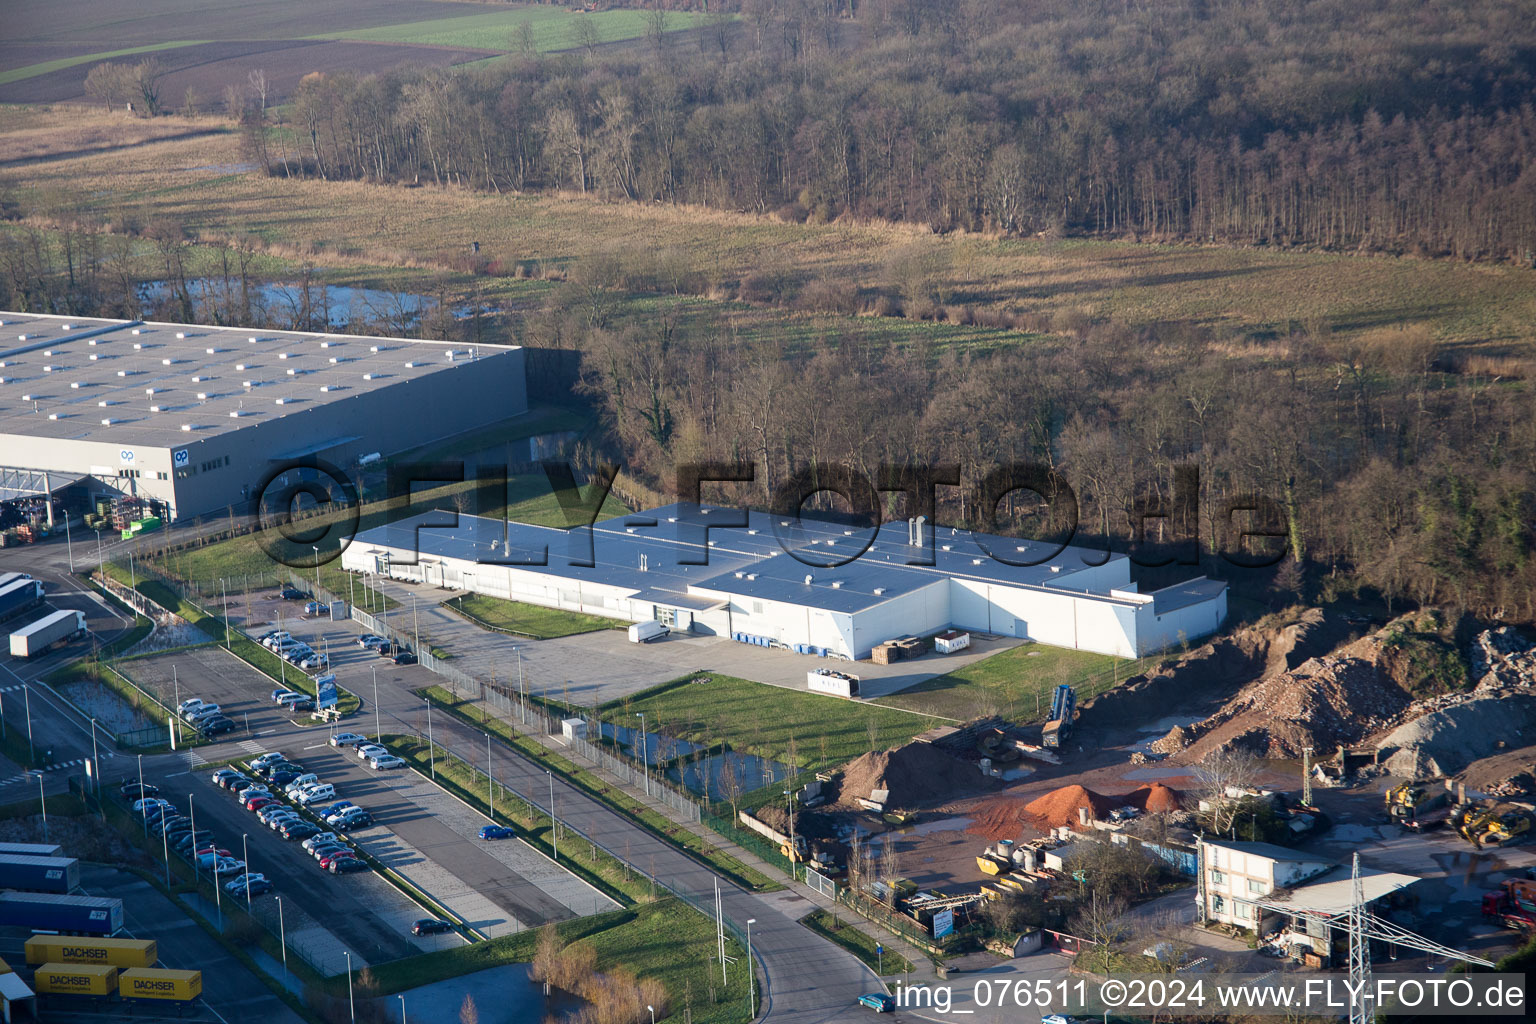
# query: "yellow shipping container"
{"type": "Point", "coordinates": [80, 949]}
{"type": "Point", "coordinates": [155, 983]}
{"type": "Point", "coordinates": [75, 979]}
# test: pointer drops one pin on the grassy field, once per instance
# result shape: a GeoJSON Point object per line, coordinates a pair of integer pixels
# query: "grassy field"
{"type": "Point", "coordinates": [761, 719]}
{"type": "Point", "coordinates": [859, 943]}
{"type": "Point", "coordinates": [43, 67]}
{"type": "Point", "coordinates": [528, 619]}
{"type": "Point", "coordinates": [1017, 683]}
{"type": "Point", "coordinates": [1260, 291]}
{"type": "Point", "coordinates": [727, 865]}
{"type": "Point", "coordinates": [554, 28]}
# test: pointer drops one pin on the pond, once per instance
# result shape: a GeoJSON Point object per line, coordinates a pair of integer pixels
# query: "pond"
{"type": "Point", "coordinates": [705, 776]}
{"type": "Point", "coordinates": [336, 305]}
{"type": "Point", "coordinates": [501, 995]}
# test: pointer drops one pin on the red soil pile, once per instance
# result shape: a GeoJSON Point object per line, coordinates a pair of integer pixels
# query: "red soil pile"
{"type": "Point", "coordinates": [1000, 818]}
{"type": "Point", "coordinates": [1154, 799]}
{"type": "Point", "coordinates": [1059, 807]}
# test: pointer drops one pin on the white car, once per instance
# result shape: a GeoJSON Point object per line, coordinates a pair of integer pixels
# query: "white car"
{"type": "Point", "coordinates": [265, 759]}
{"type": "Point", "coordinates": [229, 866]}
{"type": "Point", "coordinates": [190, 704]}
{"type": "Point", "coordinates": [200, 712]}
{"type": "Point", "coordinates": [347, 739]}
{"type": "Point", "coordinates": [276, 638]}
{"type": "Point", "coordinates": [288, 697]}
{"type": "Point", "coordinates": [386, 762]}
{"type": "Point", "coordinates": [298, 784]}
{"type": "Point", "coordinates": [370, 750]}
{"type": "Point", "coordinates": [315, 794]}
{"type": "Point", "coordinates": [145, 806]}
{"type": "Point", "coordinates": [320, 840]}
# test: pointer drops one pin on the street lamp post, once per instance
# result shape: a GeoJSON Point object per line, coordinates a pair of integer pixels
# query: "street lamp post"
{"type": "Point", "coordinates": [192, 813]}
{"type": "Point", "coordinates": [645, 753]}
{"type": "Point", "coordinates": [42, 799]}
{"type": "Point", "coordinates": [554, 826]}
{"type": "Point", "coordinates": [69, 543]}
{"type": "Point", "coordinates": [648, 1006]}
{"type": "Point", "coordinates": [431, 747]}
{"type": "Point", "coordinates": [26, 689]}
{"type": "Point", "coordinates": [402, 1009]}
{"type": "Point", "coordinates": [490, 792]}
{"type": "Point", "coordinates": [751, 973]}
{"type": "Point", "coordinates": [316, 549]}
{"type": "Point", "coordinates": [378, 722]}
{"type": "Point", "coordinates": [95, 760]}
{"type": "Point", "coordinates": [224, 596]}
{"type": "Point", "coordinates": [351, 1006]}
{"type": "Point", "coordinates": [282, 939]}
{"type": "Point", "coordinates": [143, 806]}
{"type": "Point", "coordinates": [245, 855]}
{"type": "Point", "coordinates": [520, 687]}
{"type": "Point", "coordinates": [416, 626]}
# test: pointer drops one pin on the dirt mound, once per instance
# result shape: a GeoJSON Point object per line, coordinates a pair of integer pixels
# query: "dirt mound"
{"type": "Point", "coordinates": [1154, 799]}
{"type": "Point", "coordinates": [1000, 818]}
{"type": "Point", "coordinates": [915, 774]}
{"type": "Point", "coordinates": [1445, 742]}
{"type": "Point", "coordinates": [1322, 703]}
{"type": "Point", "coordinates": [1060, 807]}
{"type": "Point", "coordinates": [1209, 673]}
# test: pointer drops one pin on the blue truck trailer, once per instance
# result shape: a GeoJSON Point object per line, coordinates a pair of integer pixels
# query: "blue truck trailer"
{"type": "Point", "coordinates": [70, 915]}
{"type": "Point", "coordinates": [32, 849]}
{"type": "Point", "coordinates": [19, 596]}
{"type": "Point", "coordinates": [39, 874]}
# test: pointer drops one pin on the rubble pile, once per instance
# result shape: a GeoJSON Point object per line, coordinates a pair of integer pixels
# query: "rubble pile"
{"type": "Point", "coordinates": [913, 775]}
{"type": "Point", "coordinates": [1503, 659]}
{"type": "Point", "coordinates": [1323, 703]}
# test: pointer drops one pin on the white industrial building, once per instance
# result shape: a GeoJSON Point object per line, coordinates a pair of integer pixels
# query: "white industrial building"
{"type": "Point", "coordinates": [200, 417]}
{"type": "Point", "coordinates": [755, 590]}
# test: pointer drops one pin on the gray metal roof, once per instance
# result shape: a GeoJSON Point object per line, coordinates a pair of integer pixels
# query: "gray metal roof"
{"type": "Point", "coordinates": [645, 551]}
{"type": "Point", "coordinates": [162, 384]}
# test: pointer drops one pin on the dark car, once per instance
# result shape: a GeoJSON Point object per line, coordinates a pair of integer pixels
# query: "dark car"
{"type": "Point", "coordinates": [259, 887]}
{"type": "Point", "coordinates": [431, 926]}
{"type": "Point", "coordinates": [326, 849]}
{"type": "Point", "coordinates": [217, 726]}
{"type": "Point", "coordinates": [134, 791]}
{"type": "Point", "coordinates": [240, 784]}
{"type": "Point", "coordinates": [363, 820]}
{"type": "Point", "coordinates": [376, 643]}
{"type": "Point", "coordinates": [168, 823]}
{"type": "Point", "coordinates": [302, 705]}
{"type": "Point", "coordinates": [187, 842]}
{"type": "Point", "coordinates": [347, 865]}
{"type": "Point", "coordinates": [297, 830]}
{"type": "Point", "coordinates": [404, 658]}
{"type": "Point", "coordinates": [292, 594]}
{"type": "Point", "coordinates": [497, 832]}
{"type": "Point", "coordinates": [282, 778]}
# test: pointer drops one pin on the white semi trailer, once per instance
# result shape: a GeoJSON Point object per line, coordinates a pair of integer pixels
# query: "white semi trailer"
{"type": "Point", "coordinates": [56, 628]}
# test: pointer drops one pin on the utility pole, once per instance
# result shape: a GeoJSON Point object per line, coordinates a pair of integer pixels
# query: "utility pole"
{"type": "Point", "coordinates": [378, 724]}
{"type": "Point", "coordinates": [431, 747]}
{"type": "Point", "coordinates": [751, 974]}
{"type": "Point", "coordinates": [645, 752]}
{"type": "Point", "coordinates": [554, 824]}
{"type": "Point", "coordinates": [1306, 777]}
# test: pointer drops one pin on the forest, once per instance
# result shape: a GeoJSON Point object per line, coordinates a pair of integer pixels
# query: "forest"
{"type": "Point", "coordinates": [1384, 125]}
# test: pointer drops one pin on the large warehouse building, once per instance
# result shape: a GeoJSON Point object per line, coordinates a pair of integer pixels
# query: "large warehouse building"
{"type": "Point", "coordinates": [753, 588]}
{"type": "Point", "coordinates": [200, 417]}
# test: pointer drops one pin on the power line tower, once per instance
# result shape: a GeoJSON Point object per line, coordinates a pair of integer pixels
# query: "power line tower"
{"type": "Point", "coordinates": [1360, 1009]}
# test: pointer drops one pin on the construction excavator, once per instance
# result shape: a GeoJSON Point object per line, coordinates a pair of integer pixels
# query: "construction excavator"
{"type": "Point", "coordinates": [1488, 826]}
{"type": "Point", "coordinates": [1419, 805]}
{"type": "Point", "coordinates": [1059, 726]}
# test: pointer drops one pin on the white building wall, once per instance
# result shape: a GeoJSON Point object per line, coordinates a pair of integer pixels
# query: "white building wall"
{"type": "Point", "coordinates": [1154, 632]}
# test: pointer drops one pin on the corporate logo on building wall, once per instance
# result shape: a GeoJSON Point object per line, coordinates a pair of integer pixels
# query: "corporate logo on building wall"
{"type": "Point", "coordinates": [181, 457]}
{"type": "Point", "coordinates": [125, 455]}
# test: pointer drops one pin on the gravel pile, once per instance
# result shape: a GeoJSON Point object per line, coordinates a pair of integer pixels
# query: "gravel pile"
{"type": "Point", "coordinates": [914, 775]}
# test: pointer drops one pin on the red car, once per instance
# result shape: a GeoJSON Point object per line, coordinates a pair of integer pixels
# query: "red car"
{"type": "Point", "coordinates": [256, 803]}
{"type": "Point", "coordinates": [328, 860]}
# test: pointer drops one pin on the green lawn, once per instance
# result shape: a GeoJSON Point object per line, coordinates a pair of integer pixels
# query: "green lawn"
{"type": "Point", "coordinates": [554, 28]}
{"type": "Point", "coordinates": [33, 70]}
{"type": "Point", "coordinates": [1017, 683]}
{"type": "Point", "coordinates": [856, 942]}
{"type": "Point", "coordinates": [762, 719]}
{"type": "Point", "coordinates": [528, 619]}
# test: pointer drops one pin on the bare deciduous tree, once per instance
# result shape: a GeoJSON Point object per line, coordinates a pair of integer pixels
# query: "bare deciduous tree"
{"type": "Point", "coordinates": [1221, 771]}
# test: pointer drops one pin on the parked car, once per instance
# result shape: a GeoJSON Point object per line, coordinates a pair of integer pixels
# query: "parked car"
{"type": "Point", "coordinates": [328, 860]}
{"type": "Point", "coordinates": [258, 883]}
{"type": "Point", "coordinates": [207, 856]}
{"type": "Point", "coordinates": [267, 758]}
{"type": "Point", "coordinates": [190, 704]}
{"type": "Point", "coordinates": [339, 805]}
{"type": "Point", "coordinates": [431, 926]}
{"type": "Point", "coordinates": [292, 594]}
{"type": "Point", "coordinates": [404, 658]}
{"type": "Point", "coordinates": [376, 644]}
{"type": "Point", "coordinates": [285, 776]}
{"type": "Point", "coordinates": [348, 739]}
{"type": "Point", "coordinates": [348, 865]}
{"type": "Point", "coordinates": [307, 704]}
{"type": "Point", "coordinates": [242, 785]}
{"type": "Point", "coordinates": [880, 1002]}
{"type": "Point", "coordinates": [314, 662]}
{"type": "Point", "coordinates": [219, 777]}
{"type": "Point", "coordinates": [275, 810]}
{"type": "Point", "coordinates": [143, 806]}
{"type": "Point", "coordinates": [315, 794]}
{"type": "Point", "coordinates": [350, 820]}
{"type": "Point", "coordinates": [294, 830]}
{"type": "Point", "coordinates": [216, 726]}
{"type": "Point", "coordinates": [191, 840]}
{"type": "Point", "coordinates": [135, 791]}
{"type": "Point", "coordinates": [286, 696]}
{"type": "Point", "coordinates": [294, 785]}
{"type": "Point", "coordinates": [369, 639]}
{"type": "Point", "coordinates": [200, 712]}
{"type": "Point", "coordinates": [368, 750]}
{"type": "Point", "coordinates": [326, 849]}
{"type": "Point", "coordinates": [497, 832]}
{"type": "Point", "coordinates": [319, 840]}
{"type": "Point", "coordinates": [167, 823]}
{"type": "Point", "coordinates": [314, 607]}
{"type": "Point", "coordinates": [386, 762]}
{"type": "Point", "coordinates": [260, 800]}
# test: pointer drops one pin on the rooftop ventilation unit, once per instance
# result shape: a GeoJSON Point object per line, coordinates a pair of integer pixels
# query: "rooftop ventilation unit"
{"type": "Point", "coordinates": [77, 385]}
{"type": "Point", "coordinates": [123, 373]}
{"type": "Point", "coordinates": [808, 578]}
{"type": "Point", "coordinates": [235, 414]}
{"type": "Point", "coordinates": [94, 356]}
{"type": "Point", "coordinates": [334, 360]}
{"type": "Point", "coordinates": [373, 348]}
{"type": "Point", "coordinates": [135, 332]}
{"type": "Point", "coordinates": [167, 362]}
{"type": "Point", "coordinates": [47, 353]}
{"type": "Point", "coordinates": [151, 391]}
{"type": "Point", "coordinates": [198, 379]}
{"type": "Point", "coordinates": [279, 401]}
{"type": "Point", "coordinates": [252, 340]}
{"type": "Point", "coordinates": [328, 388]}
{"type": "Point", "coordinates": [94, 341]}
{"type": "Point", "coordinates": [944, 547]}
{"type": "Point", "coordinates": [250, 383]}
{"type": "Point", "coordinates": [293, 371]}
{"type": "Point", "coordinates": [188, 427]}
{"type": "Point", "coordinates": [240, 366]}
{"type": "Point", "coordinates": [21, 337]}
{"type": "Point", "coordinates": [283, 355]}
{"type": "Point", "coordinates": [181, 334]}
{"type": "Point", "coordinates": [109, 421]}
{"type": "Point", "coordinates": [57, 415]}
{"type": "Point", "coordinates": [69, 327]}
{"type": "Point", "coordinates": [211, 351]}
{"type": "Point", "coordinates": [410, 364]}
{"type": "Point", "coordinates": [975, 561]}
{"type": "Point", "coordinates": [138, 346]}
{"type": "Point", "coordinates": [1055, 568]}
{"type": "Point", "coordinates": [879, 591]}
{"type": "Point", "coordinates": [739, 575]}
{"type": "Point", "coordinates": [202, 396]}
{"type": "Point", "coordinates": [47, 369]}
{"type": "Point", "coordinates": [837, 584]}
{"type": "Point", "coordinates": [369, 376]}
{"type": "Point", "coordinates": [751, 575]}
{"type": "Point", "coordinates": [105, 402]}
{"type": "Point", "coordinates": [29, 398]}
{"type": "Point", "coordinates": [2, 380]}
